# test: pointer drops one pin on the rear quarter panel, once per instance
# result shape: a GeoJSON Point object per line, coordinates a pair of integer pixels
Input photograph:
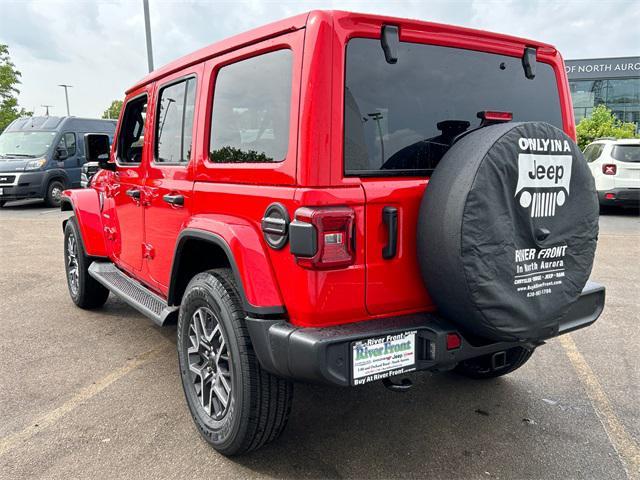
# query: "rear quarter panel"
{"type": "Point", "coordinates": [245, 245]}
{"type": "Point", "coordinates": [272, 277]}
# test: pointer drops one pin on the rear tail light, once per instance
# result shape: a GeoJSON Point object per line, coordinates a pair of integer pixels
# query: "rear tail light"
{"type": "Point", "coordinates": [609, 196]}
{"type": "Point", "coordinates": [609, 169]}
{"type": "Point", "coordinates": [322, 238]}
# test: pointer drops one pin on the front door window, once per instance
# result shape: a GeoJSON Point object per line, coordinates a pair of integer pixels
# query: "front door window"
{"type": "Point", "coordinates": [131, 137]}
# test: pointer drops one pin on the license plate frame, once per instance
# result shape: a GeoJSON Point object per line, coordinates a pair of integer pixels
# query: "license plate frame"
{"type": "Point", "coordinates": [376, 358]}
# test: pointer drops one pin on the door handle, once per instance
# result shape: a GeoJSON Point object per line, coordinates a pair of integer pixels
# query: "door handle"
{"type": "Point", "coordinates": [133, 193]}
{"type": "Point", "coordinates": [177, 200]}
{"type": "Point", "coordinates": [390, 219]}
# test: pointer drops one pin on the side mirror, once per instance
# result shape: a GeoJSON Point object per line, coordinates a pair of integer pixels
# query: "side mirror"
{"type": "Point", "coordinates": [97, 149]}
{"type": "Point", "coordinates": [61, 153]}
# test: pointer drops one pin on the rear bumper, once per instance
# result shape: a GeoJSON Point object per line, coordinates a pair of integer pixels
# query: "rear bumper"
{"type": "Point", "coordinates": [324, 354]}
{"type": "Point", "coordinates": [620, 197]}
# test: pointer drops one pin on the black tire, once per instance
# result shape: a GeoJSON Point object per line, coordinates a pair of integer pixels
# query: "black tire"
{"type": "Point", "coordinates": [257, 403]}
{"type": "Point", "coordinates": [54, 193]}
{"type": "Point", "coordinates": [2, 202]}
{"type": "Point", "coordinates": [84, 290]}
{"type": "Point", "coordinates": [507, 231]}
{"type": "Point", "coordinates": [480, 368]}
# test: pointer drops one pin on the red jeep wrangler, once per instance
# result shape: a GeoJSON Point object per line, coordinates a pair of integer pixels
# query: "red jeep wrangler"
{"type": "Point", "coordinates": [267, 193]}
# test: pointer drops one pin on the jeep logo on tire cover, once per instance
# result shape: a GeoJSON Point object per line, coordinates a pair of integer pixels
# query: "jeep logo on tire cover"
{"type": "Point", "coordinates": [543, 179]}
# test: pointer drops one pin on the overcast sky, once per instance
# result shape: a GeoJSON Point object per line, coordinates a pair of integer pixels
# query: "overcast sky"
{"type": "Point", "coordinates": [99, 47]}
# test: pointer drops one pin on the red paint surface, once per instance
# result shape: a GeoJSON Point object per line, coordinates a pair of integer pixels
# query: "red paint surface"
{"type": "Point", "coordinates": [230, 200]}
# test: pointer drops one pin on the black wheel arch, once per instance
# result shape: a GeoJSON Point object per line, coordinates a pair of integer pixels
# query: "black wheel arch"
{"type": "Point", "coordinates": [188, 262]}
{"type": "Point", "coordinates": [66, 205]}
{"type": "Point", "coordinates": [54, 174]}
{"type": "Point", "coordinates": [75, 220]}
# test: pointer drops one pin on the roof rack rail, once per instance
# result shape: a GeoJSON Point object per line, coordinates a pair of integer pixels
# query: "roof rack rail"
{"type": "Point", "coordinates": [606, 138]}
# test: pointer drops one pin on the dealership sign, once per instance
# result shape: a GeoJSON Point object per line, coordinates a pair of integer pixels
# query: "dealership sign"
{"type": "Point", "coordinates": [603, 68]}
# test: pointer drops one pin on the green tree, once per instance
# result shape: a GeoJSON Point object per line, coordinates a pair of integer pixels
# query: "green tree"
{"type": "Point", "coordinates": [113, 111]}
{"type": "Point", "coordinates": [9, 81]}
{"type": "Point", "coordinates": [603, 123]}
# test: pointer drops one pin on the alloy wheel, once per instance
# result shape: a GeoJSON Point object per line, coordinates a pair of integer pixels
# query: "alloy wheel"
{"type": "Point", "coordinates": [209, 363]}
{"type": "Point", "coordinates": [72, 264]}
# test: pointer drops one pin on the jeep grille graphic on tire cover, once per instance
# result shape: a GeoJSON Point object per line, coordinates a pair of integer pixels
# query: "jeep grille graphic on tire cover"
{"type": "Point", "coordinates": [543, 172]}
{"type": "Point", "coordinates": [544, 204]}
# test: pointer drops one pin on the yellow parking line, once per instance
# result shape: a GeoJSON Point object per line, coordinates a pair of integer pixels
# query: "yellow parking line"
{"type": "Point", "coordinates": [626, 448]}
{"type": "Point", "coordinates": [50, 418]}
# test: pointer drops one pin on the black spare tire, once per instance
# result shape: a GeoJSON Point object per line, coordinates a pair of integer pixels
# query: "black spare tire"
{"type": "Point", "coordinates": [507, 231]}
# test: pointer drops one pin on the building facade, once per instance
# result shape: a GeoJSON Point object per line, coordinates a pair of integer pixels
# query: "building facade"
{"type": "Point", "coordinates": [614, 82]}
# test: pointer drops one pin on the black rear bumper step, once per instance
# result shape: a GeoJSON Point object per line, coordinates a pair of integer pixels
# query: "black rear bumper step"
{"type": "Point", "coordinates": [133, 292]}
{"type": "Point", "coordinates": [323, 355]}
{"type": "Point", "coordinates": [585, 310]}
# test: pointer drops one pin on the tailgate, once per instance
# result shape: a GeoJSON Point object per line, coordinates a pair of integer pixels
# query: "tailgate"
{"type": "Point", "coordinates": [400, 118]}
{"type": "Point", "coordinates": [628, 175]}
{"type": "Point", "coordinates": [394, 283]}
{"type": "Point", "coordinates": [627, 156]}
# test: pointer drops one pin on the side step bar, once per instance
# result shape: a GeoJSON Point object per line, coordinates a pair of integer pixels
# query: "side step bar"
{"type": "Point", "coordinates": [133, 292]}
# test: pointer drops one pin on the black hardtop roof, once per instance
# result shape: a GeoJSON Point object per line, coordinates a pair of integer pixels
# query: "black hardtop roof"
{"type": "Point", "coordinates": [50, 123]}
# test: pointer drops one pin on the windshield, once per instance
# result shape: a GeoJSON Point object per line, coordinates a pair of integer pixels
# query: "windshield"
{"type": "Point", "coordinates": [626, 153]}
{"type": "Point", "coordinates": [401, 118]}
{"type": "Point", "coordinates": [25, 144]}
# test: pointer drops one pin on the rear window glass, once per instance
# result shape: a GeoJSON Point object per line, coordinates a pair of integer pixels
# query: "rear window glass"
{"type": "Point", "coordinates": [251, 105]}
{"type": "Point", "coordinates": [400, 118]}
{"type": "Point", "coordinates": [626, 153]}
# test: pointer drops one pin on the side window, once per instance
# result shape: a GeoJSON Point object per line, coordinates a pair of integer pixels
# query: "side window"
{"type": "Point", "coordinates": [251, 105]}
{"type": "Point", "coordinates": [174, 125]}
{"type": "Point", "coordinates": [131, 136]}
{"type": "Point", "coordinates": [68, 141]}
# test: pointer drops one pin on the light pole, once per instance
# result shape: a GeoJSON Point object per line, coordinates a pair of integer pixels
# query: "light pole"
{"type": "Point", "coordinates": [47, 107]}
{"type": "Point", "coordinates": [377, 117]}
{"type": "Point", "coordinates": [66, 95]}
{"type": "Point", "coordinates": [147, 31]}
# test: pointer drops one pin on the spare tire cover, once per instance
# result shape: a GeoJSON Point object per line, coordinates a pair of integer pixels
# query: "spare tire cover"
{"type": "Point", "coordinates": [507, 231]}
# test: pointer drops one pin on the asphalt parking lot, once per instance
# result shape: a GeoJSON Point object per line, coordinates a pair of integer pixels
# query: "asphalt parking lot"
{"type": "Point", "coordinates": [97, 394]}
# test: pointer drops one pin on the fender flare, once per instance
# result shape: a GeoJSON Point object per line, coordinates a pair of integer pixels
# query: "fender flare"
{"type": "Point", "coordinates": [85, 204]}
{"type": "Point", "coordinates": [267, 302]}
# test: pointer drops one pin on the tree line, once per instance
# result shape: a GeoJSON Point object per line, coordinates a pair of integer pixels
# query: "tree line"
{"type": "Point", "coordinates": [9, 81]}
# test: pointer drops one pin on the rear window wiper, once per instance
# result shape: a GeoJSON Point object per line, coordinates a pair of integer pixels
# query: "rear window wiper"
{"type": "Point", "coordinates": [529, 62]}
{"type": "Point", "coordinates": [390, 41]}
